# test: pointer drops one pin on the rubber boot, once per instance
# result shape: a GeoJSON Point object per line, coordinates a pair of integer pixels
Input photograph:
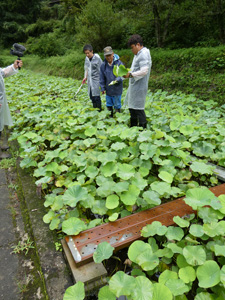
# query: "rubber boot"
{"type": "Point", "coordinates": [143, 125]}
{"type": "Point", "coordinates": [133, 122]}
{"type": "Point", "coordinates": [117, 110]}
{"type": "Point", "coordinates": [110, 108]}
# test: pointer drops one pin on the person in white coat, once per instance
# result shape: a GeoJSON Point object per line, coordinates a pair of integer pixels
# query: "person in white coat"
{"type": "Point", "coordinates": [5, 116]}
{"type": "Point", "coordinates": [92, 75]}
{"type": "Point", "coordinates": [138, 81]}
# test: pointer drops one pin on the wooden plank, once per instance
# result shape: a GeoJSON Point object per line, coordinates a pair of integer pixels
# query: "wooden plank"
{"type": "Point", "coordinates": [124, 231]}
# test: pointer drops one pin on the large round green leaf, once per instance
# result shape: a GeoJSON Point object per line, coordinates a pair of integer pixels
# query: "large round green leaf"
{"type": "Point", "coordinates": [165, 176]}
{"type": "Point", "coordinates": [152, 229]}
{"type": "Point", "coordinates": [143, 289]}
{"type": "Point", "coordinates": [75, 292]}
{"type": "Point", "coordinates": [208, 274]}
{"type": "Point", "coordinates": [112, 201]}
{"type": "Point", "coordinates": [204, 296]}
{"type": "Point", "coordinates": [74, 194]}
{"type": "Point", "coordinates": [187, 274]}
{"type": "Point", "coordinates": [106, 294]}
{"type": "Point", "coordinates": [213, 229]}
{"type": "Point", "coordinates": [104, 251]}
{"type": "Point", "coordinates": [177, 286]}
{"type": "Point", "coordinates": [125, 171]}
{"type": "Point", "coordinates": [160, 292]}
{"type": "Point", "coordinates": [166, 275]}
{"type": "Point", "coordinates": [175, 248]}
{"type": "Point", "coordinates": [174, 233]}
{"type": "Point", "coordinates": [99, 207]}
{"type": "Point", "coordinates": [147, 260]}
{"type": "Point", "coordinates": [222, 200]}
{"type": "Point", "coordinates": [90, 131]}
{"type": "Point", "coordinates": [222, 275]}
{"type": "Point", "coordinates": [129, 197]}
{"type": "Point", "coordinates": [152, 197]}
{"type": "Point", "coordinates": [109, 169]}
{"type": "Point", "coordinates": [194, 255]}
{"type": "Point", "coordinates": [196, 230]}
{"type": "Point", "coordinates": [136, 248]}
{"type": "Point", "coordinates": [199, 197]}
{"type": "Point", "coordinates": [91, 171]}
{"type": "Point", "coordinates": [106, 157]}
{"type": "Point", "coordinates": [201, 168]}
{"type": "Point", "coordinates": [161, 187]}
{"type": "Point", "coordinates": [121, 284]}
{"type": "Point", "coordinates": [113, 217]}
{"type": "Point", "coordinates": [73, 226]}
{"type": "Point", "coordinates": [121, 187]}
{"type": "Point", "coordinates": [181, 222]}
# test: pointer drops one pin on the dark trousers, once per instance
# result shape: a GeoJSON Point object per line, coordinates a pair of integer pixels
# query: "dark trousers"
{"type": "Point", "coordinates": [96, 101]}
{"type": "Point", "coordinates": [137, 117]}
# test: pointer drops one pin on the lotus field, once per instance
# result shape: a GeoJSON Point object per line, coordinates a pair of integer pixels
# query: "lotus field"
{"type": "Point", "coordinates": [95, 169]}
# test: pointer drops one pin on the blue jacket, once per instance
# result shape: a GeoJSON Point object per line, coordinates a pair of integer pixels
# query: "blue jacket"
{"type": "Point", "coordinates": [106, 76]}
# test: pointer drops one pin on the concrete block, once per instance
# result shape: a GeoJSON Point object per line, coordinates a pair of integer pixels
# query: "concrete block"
{"type": "Point", "coordinates": [92, 275]}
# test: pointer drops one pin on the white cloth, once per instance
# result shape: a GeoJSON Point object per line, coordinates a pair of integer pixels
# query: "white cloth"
{"type": "Point", "coordinates": [5, 116]}
{"type": "Point", "coordinates": [92, 73]}
{"type": "Point", "coordinates": [138, 84]}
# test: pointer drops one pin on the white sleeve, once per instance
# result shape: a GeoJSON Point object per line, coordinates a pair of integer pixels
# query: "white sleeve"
{"type": "Point", "coordinates": [10, 70]}
{"type": "Point", "coordinates": [141, 73]}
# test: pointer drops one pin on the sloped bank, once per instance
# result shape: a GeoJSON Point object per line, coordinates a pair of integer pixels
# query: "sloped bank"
{"type": "Point", "coordinates": [55, 273]}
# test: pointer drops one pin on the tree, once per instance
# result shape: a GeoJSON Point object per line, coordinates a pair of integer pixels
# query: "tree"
{"type": "Point", "coordinates": [99, 25]}
{"type": "Point", "coordinates": [14, 15]}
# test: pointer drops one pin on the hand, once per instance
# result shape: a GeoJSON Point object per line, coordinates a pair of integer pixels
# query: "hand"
{"type": "Point", "coordinates": [18, 63]}
{"type": "Point", "coordinates": [84, 80]}
{"type": "Point", "coordinates": [127, 75]}
{"type": "Point", "coordinates": [103, 92]}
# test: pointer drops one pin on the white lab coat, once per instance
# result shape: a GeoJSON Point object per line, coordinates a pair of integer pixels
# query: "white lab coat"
{"type": "Point", "coordinates": [92, 72]}
{"type": "Point", "coordinates": [138, 85]}
{"type": "Point", "coordinates": [5, 116]}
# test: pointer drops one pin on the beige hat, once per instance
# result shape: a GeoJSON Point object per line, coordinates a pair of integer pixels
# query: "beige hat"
{"type": "Point", "coordinates": [108, 50]}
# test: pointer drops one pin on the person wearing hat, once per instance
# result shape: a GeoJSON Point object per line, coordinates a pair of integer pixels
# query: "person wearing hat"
{"type": "Point", "coordinates": [5, 116]}
{"type": "Point", "coordinates": [113, 92]}
{"type": "Point", "coordinates": [92, 75]}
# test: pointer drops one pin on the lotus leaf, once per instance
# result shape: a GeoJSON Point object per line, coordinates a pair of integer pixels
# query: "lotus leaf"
{"type": "Point", "coordinates": [125, 171]}
{"type": "Point", "coordinates": [181, 222]}
{"type": "Point", "coordinates": [187, 274]}
{"type": "Point", "coordinates": [152, 197]}
{"type": "Point", "coordinates": [198, 197]}
{"type": "Point", "coordinates": [74, 194]}
{"type": "Point", "coordinates": [136, 248]}
{"type": "Point", "coordinates": [75, 292]}
{"type": "Point", "coordinates": [121, 284]}
{"type": "Point", "coordinates": [196, 230]}
{"type": "Point", "coordinates": [160, 291]}
{"type": "Point", "coordinates": [208, 274]}
{"type": "Point", "coordinates": [143, 289]}
{"type": "Point", "coordinates": [73, 226]}
{"type": "Point", "coordinates": [147, 260]}
{"type": "Point", "coordinates": [113, 217]}
{"type": "Point", "coordinates": [174, 233]}
{"type": "Point", "coordinates": [105, 293]}
{"type": "Point", "coordinates": [104, 251]}
{"type": "Point", "coordinates": [154, 228]}
{"type": "Point", "coordinates": [194, 255]}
